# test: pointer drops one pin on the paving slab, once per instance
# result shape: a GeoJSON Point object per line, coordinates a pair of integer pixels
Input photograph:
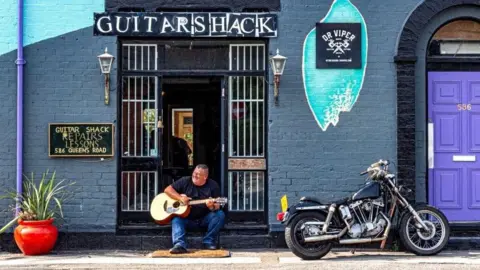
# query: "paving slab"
{"type": "Point", "coordinates": [241, 259]}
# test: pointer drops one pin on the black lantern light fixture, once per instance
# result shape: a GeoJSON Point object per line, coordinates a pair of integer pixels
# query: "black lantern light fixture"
{"type": "Point", "coordinates": [278, 65]}
{"type": "Point", "coordinates": [106, 61]}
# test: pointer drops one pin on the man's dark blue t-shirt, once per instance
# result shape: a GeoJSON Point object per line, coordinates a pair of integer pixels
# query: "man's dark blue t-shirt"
{"type": "Point", "coordinates": [186, 186]}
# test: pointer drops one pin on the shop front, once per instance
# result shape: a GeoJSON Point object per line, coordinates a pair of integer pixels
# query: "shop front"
{"type": "Point", "coordinates": [191, 82]}
{"type": "Point", "coordinates": [192, 89]}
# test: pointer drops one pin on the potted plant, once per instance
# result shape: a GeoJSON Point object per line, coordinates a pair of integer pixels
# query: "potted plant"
{"type": "Point", "coordinates": [40, 204]}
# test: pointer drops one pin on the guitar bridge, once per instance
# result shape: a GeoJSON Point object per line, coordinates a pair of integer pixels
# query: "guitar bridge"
{"type": "Point", "coordinates": [171, 210]}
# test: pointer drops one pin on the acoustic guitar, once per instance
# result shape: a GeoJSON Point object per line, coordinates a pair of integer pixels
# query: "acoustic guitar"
{"type": "Point", "coordinates": [164, 208]}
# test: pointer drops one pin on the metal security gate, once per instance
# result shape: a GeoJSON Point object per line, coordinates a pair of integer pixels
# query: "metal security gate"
{"type": "Point", "coordinates": [246, 134]}
{"type": "Point", "coordinates": [140, 142]}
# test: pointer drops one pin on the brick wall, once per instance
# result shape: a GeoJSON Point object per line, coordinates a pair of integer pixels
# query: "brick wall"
{"type": "Point", "coordinates": [8, 101]}
{"type": "Point", "coordinates": [63, 83]}
{"type": "Point", "coordinates": [304, 160]}
{"type": "Point", "coordinates": [56, 90]}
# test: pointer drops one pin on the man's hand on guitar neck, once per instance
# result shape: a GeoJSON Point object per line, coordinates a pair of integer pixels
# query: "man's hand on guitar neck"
{"type": "Point", "coordinates": [212, 205]}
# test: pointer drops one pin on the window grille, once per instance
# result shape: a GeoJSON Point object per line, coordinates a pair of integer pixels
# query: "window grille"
{"type": "Point", "coordinates": [138, 190]}
{"type": "Point", "coordinates": [246, 101]}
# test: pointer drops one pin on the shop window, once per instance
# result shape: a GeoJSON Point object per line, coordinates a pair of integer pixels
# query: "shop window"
{"type": "Point", "coordinates": [246, 102]}
{"type": "Point", "coordinates": [137, 57]}
{"type": "Point", "coordinates": [246, 191]}
{"type": "Point", "coordinates": [139, 111]}
{"type": "Point", "coordinates": [246, 134]}
{"type": "Point", "coordinates": [457, 38]}
{"type": "Point", "coordinates": [247, 118]}
{"type": "Point", "coordinates": [138, 190]}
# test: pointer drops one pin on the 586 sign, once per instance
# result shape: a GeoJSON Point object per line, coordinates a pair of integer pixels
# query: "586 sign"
{"type": "Point", "coordinates": [464, 107]}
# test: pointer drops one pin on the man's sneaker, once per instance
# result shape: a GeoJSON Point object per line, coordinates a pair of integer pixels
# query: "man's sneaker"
{"type": "Point", "coordinates": [209, 246]}
{"type": "Point", "coordinates": [178, 250]}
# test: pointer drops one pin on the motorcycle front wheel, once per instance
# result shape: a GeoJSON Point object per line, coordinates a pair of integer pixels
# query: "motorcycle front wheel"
{"type": "Point", "coordinates": [294, 236]}
{"type": "Point", "coordinates": [425, 242]}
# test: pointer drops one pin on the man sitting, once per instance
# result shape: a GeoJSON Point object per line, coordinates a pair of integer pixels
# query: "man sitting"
{"type": "Point", "coordinates": [196, 187]}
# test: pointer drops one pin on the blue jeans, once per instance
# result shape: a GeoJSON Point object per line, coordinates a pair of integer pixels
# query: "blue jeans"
{"type": "Point", "coordinates": [213, 222]}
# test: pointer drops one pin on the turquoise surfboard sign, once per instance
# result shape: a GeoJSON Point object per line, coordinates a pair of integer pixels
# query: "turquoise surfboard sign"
{"type": "Point", "coordinates": [332, 91]}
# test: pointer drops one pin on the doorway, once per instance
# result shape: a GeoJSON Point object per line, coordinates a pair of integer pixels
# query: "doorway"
{"type": "Point", "coordinates": [453, 141]}
{"type": "Point", "coordinates": [205, 95]}
{"type": "Point", "coordinates": [453, 90]}
{"type": "Point", "coordinates": [191, 126]}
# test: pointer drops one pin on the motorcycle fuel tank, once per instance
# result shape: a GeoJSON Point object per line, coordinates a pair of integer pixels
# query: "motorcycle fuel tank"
{"type": "Point", "coordinates": [371, 190]}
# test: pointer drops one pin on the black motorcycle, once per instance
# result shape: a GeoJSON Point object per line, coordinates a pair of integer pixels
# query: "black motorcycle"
{"type": "Point", "coordinates": [312, 226]}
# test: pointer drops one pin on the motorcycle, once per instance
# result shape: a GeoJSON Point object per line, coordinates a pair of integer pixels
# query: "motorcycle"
{"type": "Point", "coordinates": [313, 226]}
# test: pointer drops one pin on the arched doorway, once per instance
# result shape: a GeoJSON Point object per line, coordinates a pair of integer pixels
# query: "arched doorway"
{"type": "Point", "coordinates": [437, 69]}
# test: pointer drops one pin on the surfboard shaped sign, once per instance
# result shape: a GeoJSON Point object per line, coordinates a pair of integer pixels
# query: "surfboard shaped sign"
{"type": "Point", "coordinates": [333, 70]}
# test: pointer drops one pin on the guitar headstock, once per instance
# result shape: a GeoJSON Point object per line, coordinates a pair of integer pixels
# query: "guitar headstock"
{"type": "Point", "coordinates": [221, 200]}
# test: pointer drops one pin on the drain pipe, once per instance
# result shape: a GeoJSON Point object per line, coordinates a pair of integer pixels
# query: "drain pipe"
{"type": "Point", "coordinates": [20, 62]}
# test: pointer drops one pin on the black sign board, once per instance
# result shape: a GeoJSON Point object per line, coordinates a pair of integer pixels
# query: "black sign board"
{"type": "Point", "coordinates": [80, 140]}
{"type": "Point", "coordinates": [339, 45]}
{"type": "Point", "coordinates": [169, 24]}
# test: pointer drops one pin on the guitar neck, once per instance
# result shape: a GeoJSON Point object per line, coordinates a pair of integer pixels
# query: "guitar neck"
{"type": "Point", "coordinates": [198, 202]}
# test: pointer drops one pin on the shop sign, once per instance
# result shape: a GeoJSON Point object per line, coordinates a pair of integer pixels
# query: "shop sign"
{"type": "Point", "coordinates": [80, 140]}
{"type": "Point", "coordinates": [339, 45]}
{"type": "Point", "coordinates": [215, 24]}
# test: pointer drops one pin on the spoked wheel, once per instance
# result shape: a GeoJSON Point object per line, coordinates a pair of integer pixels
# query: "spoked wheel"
{"type": "Point", "coordinates": [421, 241]}
{"type": "Point", "coordinates": [295, 236]}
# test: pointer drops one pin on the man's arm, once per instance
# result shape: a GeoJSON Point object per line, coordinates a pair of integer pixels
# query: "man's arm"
{"type": "Point", "coordinates": [171, 191]}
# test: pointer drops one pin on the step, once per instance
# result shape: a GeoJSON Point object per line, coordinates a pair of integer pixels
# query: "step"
{"type": "Point", "coordinates": [95, 241]}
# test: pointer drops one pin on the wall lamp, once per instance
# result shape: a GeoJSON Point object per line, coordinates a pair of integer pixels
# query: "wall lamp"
{"type": "Point", "coordinates": [106, 61]}
{"type": "Point", "coordinates": [278, 65]}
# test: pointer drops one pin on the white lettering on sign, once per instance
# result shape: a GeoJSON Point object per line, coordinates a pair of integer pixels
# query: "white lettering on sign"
{"type": "Point", "coordinates": [188, 24]}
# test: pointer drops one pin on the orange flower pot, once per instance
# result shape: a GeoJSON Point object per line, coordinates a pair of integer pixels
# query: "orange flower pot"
{"type": "Point", "coordinates": [36, 237]}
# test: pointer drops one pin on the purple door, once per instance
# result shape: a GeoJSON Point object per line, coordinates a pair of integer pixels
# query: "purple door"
{"type": "Point", "coordinates": [454, 144]}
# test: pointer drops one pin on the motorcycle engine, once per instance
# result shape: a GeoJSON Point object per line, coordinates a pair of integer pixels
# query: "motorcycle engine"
{"type": "Point", "coordinates": [367, 221]}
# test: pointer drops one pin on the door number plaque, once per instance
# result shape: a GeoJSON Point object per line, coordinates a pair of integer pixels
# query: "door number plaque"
{"type": "Point", "coordinates": [464, 107]}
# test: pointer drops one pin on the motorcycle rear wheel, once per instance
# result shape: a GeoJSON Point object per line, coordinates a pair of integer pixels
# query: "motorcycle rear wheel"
{"type": "Point", "coordinates": [294, 238]}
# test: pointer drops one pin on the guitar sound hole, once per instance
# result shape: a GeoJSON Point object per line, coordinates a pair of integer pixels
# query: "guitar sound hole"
{"type": "Point", "coordinates": [176, 204]}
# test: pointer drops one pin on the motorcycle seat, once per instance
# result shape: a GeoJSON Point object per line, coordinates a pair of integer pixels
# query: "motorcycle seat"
{"type": "Point", "coordinates": [314, 199]}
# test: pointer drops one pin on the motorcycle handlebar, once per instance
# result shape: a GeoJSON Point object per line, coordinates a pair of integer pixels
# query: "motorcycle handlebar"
{"type": "Point", "coordinates": [380, 163]}
{"type": "Point", "coordinates": [376, 164]}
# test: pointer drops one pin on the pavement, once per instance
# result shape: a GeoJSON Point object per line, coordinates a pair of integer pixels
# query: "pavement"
{"type": "Point", "coordinates": [241, 259]}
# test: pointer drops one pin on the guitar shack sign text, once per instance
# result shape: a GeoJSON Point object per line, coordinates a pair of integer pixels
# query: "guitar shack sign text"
{"type": "Point", "coordinates": [80, 140]}
{"type": "Point", "coordinates": [157, 24]}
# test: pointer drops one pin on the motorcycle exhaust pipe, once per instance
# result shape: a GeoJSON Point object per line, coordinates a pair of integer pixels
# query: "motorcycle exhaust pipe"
{"type": "Point", "coordinates": [320, 238]}
{"type": "Point", "coordinates": [325, 237]}
{"type": "Point", "coordinates": [361, 240]}
{"type": "Point", "coordinates": [351, 241]}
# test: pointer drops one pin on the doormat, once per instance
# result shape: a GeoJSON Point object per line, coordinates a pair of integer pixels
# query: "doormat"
{"type": "Point", "coordinates": [192, 253]}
